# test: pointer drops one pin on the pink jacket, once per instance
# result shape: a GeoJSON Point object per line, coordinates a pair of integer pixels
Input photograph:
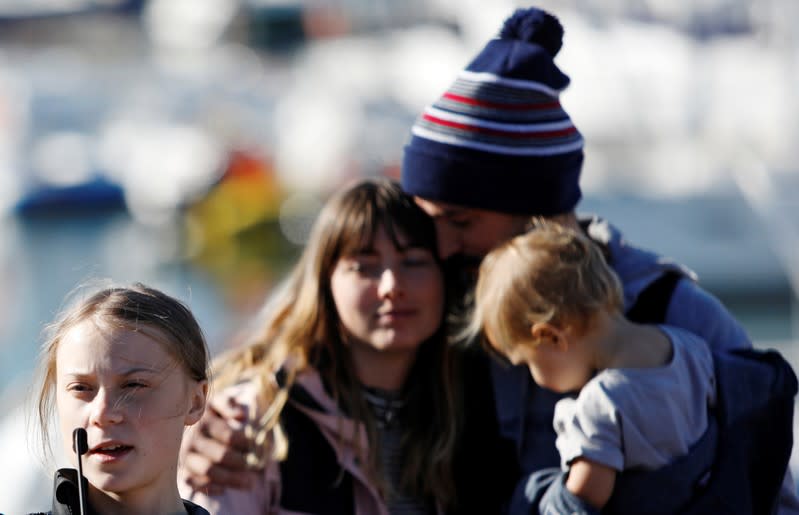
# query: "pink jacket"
{"type": "Point", "coordinates": [264, 497]}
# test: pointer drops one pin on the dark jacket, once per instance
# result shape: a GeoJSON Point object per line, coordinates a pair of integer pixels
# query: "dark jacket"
{"type": "Point", "coordinates": [323, 475]}
{"type": "Point", "coordinates": [66, 502]}
{"type": "Point", "coordinates": [312, 464]}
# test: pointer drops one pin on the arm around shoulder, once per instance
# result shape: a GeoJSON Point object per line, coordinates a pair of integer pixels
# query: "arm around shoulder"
{"type": "Point", "coordinates": [254, 491]}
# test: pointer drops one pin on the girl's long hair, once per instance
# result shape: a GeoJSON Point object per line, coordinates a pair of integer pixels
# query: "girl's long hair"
{"type": "Point", "coordinates": [303, 330]}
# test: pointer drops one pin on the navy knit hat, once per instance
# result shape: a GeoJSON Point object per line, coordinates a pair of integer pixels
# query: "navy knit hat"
{"type": "Point", "coordinates": [499, 139]}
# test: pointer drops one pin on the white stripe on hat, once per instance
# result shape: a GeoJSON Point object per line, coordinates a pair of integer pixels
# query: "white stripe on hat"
{"type": "Point", "coordinates": [514, 83]}
{"type": "Point", "coordinates": [548, 150]}
{"type": "Point", "coordinates": [506, 127]}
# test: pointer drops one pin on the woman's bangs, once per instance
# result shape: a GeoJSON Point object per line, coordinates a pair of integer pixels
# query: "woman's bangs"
{"type": "Point", "coordinates": [372, 206]}
{"type": "Point", "coordinates": [357, 229]}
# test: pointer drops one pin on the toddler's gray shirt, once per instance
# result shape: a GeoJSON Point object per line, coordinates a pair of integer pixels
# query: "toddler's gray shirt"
{"type": "Point", "coordinates": [640, 417]}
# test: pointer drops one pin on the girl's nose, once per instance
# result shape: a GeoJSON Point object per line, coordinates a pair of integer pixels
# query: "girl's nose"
{"type": "Point", "coordinates": [106, 409]}
{"type": "Point", "coordinates": [389, 285]}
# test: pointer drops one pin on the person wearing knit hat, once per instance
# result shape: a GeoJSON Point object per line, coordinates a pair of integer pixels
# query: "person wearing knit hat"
{"type": "Point", "coordinates": [498, 148]}
{"type": "Point", "coordinates": [498, 138]}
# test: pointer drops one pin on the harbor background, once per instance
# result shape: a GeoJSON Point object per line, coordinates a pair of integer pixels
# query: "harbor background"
{"type": "Point", "coordinates": [189, 145]}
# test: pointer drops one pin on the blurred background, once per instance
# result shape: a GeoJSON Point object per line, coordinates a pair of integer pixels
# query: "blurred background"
{"type": "Point", "coordinates": [189, 144]}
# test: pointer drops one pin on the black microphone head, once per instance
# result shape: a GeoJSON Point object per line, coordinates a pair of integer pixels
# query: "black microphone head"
{"type": "Point", "coordinates": [80, 441]}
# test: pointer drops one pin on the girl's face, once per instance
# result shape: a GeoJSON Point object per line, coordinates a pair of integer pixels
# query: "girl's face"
{"type": "Point", "coordinates": [389, 299]}
{"type": "Point", "coordinates": [134, 401]}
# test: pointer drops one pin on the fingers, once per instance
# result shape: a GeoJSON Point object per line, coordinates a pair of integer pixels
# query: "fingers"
{"type": "Point", "coordinates": [214, 453]}
{"type": "Point", "coordinates": [216, 425]}
{"type": "Point", "coordinates": [212, 478]}
{"type": "Point", "coordinates": [220, 451]}
{"type": "Point", "coordinates": [228, 408]}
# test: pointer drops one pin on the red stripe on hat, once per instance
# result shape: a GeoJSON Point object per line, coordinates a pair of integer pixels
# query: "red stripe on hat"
{"type": "Point", "coordinates": [496, 105]}
{"type": "Point", "coordinates": [498, 132]}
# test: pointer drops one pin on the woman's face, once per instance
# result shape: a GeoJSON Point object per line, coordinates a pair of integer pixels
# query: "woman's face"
{"type": "Point", "coordinates": [134, 401]}
{"type": "Point", "coordinates": [389, 299]}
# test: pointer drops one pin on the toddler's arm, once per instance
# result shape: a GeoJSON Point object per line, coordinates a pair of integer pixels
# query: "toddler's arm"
{"type": "Point", "coordinates": [591, 481]}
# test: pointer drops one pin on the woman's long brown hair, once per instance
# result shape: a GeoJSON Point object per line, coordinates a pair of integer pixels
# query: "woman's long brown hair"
{"type": "Point", "coordinates": [304, 330]}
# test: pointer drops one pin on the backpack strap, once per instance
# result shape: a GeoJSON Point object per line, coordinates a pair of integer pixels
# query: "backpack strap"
{"type": "Point", "coordinates": [653, 302]}
{"type": "Point", "coordinates": [671, 488]}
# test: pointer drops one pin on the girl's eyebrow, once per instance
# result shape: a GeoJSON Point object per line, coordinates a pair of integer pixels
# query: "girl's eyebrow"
{"type": "Point", "coordinates": [137, 370]}
{"type": "Point", "coordinates": [124, 373]}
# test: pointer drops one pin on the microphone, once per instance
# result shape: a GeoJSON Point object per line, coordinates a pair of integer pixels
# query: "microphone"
{"type": "Point", "coordinates": [81, 445]}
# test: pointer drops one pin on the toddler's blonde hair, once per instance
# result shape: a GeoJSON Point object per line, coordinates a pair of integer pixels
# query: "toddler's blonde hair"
{"type": "Point", "coordinates": [550, 274]}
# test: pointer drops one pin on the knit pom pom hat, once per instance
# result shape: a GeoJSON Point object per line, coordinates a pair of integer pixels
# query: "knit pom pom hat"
{"type": "Point", "coordinates": [498, 139]}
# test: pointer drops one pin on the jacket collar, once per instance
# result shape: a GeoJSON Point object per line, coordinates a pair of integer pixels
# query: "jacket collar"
{"type": "Point", "coordinates": [66, 500]}
{"type": "Point", "coordinates": [65, 492]}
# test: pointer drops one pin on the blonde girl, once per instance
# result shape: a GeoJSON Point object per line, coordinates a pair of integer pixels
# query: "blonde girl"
{"type": "Point", "coordinates": [130, 366]}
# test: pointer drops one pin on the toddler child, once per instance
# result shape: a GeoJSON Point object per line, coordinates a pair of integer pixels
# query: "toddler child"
{"type": "Point", "coordinates": [549, 300]}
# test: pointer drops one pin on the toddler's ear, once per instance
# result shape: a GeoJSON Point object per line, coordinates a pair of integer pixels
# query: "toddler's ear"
{"type": "Point", "coordinates": [198, 393]}
{"type": "Point", "coordinates": [544, 333]}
